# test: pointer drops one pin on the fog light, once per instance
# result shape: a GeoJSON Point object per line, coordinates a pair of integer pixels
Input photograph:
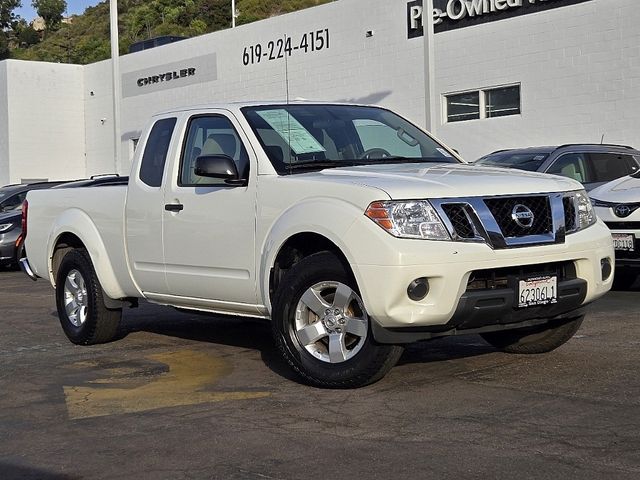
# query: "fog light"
{"type": "Point", "coordinates": [418, 289]}
{"type": "Point", "coordinates": [605, 265]}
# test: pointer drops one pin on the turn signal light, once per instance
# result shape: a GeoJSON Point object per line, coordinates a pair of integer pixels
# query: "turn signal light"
{"type": "Point", "coordinates": [379, 214]}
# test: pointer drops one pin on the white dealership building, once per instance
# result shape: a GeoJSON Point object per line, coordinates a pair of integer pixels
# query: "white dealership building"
{"type": "Point", "coordinates": [495, 74]}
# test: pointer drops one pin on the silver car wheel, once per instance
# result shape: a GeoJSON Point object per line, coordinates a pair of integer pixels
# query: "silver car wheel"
{"type": "Point", "coordinates": [76, 303]}
{"type": "Point", "coordinates": [331, 322]}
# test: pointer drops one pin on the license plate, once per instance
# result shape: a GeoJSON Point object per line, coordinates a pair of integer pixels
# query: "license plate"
{"type": "Point", "coordinates": [538, 291]}
{"type": "Point", "coordinates": [624, 241]}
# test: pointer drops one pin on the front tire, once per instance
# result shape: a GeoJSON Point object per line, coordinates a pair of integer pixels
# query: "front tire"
{"type": "Point", "coordinates": [80, 300]}
{"type": "Point", "coordinates": [532, 340]}
{"type": "Point", "coordinates": [322, 329]}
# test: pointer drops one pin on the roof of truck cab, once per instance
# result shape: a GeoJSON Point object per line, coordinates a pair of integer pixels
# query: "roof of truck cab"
{"type": "Point", "coordinates": [239, 105]}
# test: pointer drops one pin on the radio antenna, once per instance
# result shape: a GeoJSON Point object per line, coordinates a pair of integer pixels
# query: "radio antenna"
{"type": "Point", "coordinates": [602, 139]}
{"type": "Point", "coordinates": [286, 81]}
{"type": "Point", "coordinates": [286, 70]}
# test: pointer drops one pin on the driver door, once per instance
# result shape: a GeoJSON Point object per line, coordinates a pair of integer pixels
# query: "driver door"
{"type": "Point", "coordinates": [209, 225]}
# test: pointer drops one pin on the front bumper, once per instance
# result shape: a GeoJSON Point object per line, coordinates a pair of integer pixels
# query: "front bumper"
{"type": "Point", "coordinates": [489, 311]}
{"type": "Point", "coordinates": [448, 267]}
{"type": "Point", "coordinates": [630, 225]}
{"type": "Point", "coordinates": [8, 246]}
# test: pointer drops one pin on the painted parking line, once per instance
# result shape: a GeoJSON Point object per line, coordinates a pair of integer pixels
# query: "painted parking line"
{"type": "Point", "coordinates": [187, 379]}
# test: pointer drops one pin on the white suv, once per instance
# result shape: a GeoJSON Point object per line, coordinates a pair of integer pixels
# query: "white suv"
{"type": "Point", "coordinates": [618, 204]}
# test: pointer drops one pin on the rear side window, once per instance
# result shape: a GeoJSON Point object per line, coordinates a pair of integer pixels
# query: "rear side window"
{"type": "Point", "coordinates": [155, 152]}
{"type": "Point", "coordinates": [572, 165]}
{"type": "Point", "coordinates": [609, 166]}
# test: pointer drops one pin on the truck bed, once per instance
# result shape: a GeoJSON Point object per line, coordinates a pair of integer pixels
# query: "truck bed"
{"type": "Point", "coordinates": [93, 213]}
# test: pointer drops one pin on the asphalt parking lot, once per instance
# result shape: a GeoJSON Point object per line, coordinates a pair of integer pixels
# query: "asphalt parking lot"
{"type": "Point", "coordinates": [184, 396]}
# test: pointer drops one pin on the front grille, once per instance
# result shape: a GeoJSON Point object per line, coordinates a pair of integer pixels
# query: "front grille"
{"type": "Point", "coordinates": [459, 219]}
{"type": "Point", "coordinates": [498, 278]}
{"type": "Point", "coordinates": [502, 209]}
{"type": "Point", "coordinates": [569, 214]}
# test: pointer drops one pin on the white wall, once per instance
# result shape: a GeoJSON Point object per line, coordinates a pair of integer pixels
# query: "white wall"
{"type": "Point", "coordinates": [98, 118]}
{"type": "Point", "coordinates": [45, 120]}
{"type": "Point", "coordinates": [4, 127]}
{"type": "Point", "coordinates": [579, 67]}
{"type": "Point", "coordinates": [385, 68]}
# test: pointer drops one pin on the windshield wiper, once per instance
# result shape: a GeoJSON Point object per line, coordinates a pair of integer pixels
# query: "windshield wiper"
{"type": "Point", "coordinates": [318, 164]}
{"type": "Point", "coordinates": [322, 164]}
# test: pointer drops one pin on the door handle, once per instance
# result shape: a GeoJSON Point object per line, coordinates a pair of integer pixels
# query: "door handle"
{"type": "Point", "coordinates": [174, 207]}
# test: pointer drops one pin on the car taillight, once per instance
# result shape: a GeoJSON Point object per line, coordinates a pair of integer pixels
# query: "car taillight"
{"type": "Point", "coordinates": [25, 208]}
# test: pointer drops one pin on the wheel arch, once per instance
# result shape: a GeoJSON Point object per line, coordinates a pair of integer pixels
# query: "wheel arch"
{"type": "Point", "coordinates": [73, 230]}
{"type": "Point", "coordinates": [297, 247]}
{"type": "Point", "coordinates": [308, 227]}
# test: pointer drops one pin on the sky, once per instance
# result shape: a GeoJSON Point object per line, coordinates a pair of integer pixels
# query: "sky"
{"type": "Point", "coordinates": [74, 7]}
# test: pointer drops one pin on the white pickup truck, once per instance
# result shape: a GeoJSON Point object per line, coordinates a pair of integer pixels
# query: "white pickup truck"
{"type": "Point", "coordinates": [350, 228]}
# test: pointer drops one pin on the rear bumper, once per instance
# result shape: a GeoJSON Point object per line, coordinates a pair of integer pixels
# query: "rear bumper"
{"type": "Point", "coordinates": [492, 310]}
{"type": "Point", "coordinates": [26, 268]}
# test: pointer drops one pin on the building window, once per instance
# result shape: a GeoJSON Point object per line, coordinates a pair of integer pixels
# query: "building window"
{"type": "Point", "coordinates": [483, 103]}
{"type": "Point", "coordinates": [463, 106]}
{"type": "Point", "coordinates": [500, 102]}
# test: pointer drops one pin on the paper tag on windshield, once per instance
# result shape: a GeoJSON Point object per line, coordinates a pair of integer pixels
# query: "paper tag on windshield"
{"type": "Point", "coordinates": [444, 152]}
{"type": "Point", "coordinates": [291, 131]}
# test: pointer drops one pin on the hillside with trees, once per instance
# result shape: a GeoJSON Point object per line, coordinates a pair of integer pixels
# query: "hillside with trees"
{"type": "Point", "coordinates": [84, 38]}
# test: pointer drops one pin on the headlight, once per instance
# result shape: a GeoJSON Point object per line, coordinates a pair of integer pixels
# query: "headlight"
{"type": "Point", "coordinates": [408, 219]}
{"type": "Point", "coordinates": [599, 203]}
{"type": "Point", "coordinates": [5, 227]}
{"type": "Point", "coordinates": [585, 216]}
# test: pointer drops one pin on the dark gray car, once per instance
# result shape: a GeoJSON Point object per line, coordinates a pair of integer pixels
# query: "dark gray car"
{"type": "Point", "coordinates": [11, 199]}
{"type": "Point", "coordinates": [10, 229]}
{"type": "Point", "coordinates": [591, 165]}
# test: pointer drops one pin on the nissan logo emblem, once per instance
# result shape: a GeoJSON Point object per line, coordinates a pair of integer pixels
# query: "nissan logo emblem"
{"type": "Point", "coordinates": [622, 210]}
{"type": "Point", "coordinates": [522, 215]}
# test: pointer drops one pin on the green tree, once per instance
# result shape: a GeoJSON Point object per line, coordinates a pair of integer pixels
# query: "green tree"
{"type": "Point", "coordinates": [24, 34]}
{"type": "Point", "coordinates": [28, 36]}
{"type": "Point", "coordinates": [6, 12]}
{"type": "Point", "coordinates": [4, 45]}
{"type": "Point", "coordinates": [86, 40]}
{"type": "Point", "coordinates": [51, 12]}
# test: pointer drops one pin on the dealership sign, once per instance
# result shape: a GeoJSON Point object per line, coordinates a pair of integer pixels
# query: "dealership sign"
{"type": "Point", "coordinates": [452, 14]}
{"type": "Point", "coordinates": [164, 76]}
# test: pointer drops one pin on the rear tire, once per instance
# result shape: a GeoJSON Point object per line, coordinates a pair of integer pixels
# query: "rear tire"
{"type": "Point", "coordinates": [532, 340]}
{"type": "Point", "coordinates": [322, 329]}
{"type": "Point", "coordinates": [80, 300]}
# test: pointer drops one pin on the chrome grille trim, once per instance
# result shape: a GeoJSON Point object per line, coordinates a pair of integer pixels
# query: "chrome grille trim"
{"type": "Point", "coordinates": [487, 230]}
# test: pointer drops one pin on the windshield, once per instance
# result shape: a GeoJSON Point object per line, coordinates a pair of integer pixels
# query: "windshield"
{"type": "Point", "coordinates": [301, 137]}
{"type": "Point", "coordinates": [12, 203]}
{"type": "Point", "coordinates": [530, 161]}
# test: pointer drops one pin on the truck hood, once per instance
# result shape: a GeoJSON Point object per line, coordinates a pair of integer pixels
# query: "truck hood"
{"type": "Point", "coordinates": [622, 190]}
{"type": "Point", "coordinates": [446, 180]}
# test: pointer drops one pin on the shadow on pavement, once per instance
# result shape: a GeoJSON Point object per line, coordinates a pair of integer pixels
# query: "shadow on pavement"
{"type": "Point", "coordinates": [20, 472]}
{"type": "Point", "coordinates": [255, 334]}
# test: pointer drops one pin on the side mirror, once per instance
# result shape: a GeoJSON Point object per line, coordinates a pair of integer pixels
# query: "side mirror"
{"type": "Point", "coordinates": [217, 166]}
